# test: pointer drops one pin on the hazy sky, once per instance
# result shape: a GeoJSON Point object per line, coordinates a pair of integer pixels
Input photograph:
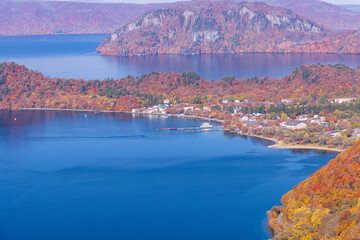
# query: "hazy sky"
{"type": "Point", "coordinates": [343, 1]}
{"type": "Point", "coordinates": [158, 1]}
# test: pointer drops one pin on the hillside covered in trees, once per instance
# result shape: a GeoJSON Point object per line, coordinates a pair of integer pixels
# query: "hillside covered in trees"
{"type": "Point", "coordinates": [308, 84]}
{"type": "Point", "coordinates": [324, 206]}
{"type": "Point", "coordinates": [198, 27]}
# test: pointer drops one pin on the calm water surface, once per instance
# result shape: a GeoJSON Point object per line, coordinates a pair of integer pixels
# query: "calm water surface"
{"type": "Point", "coordinates": [74, 56]}
{"type": "Point", "coordinates": [111, 176]}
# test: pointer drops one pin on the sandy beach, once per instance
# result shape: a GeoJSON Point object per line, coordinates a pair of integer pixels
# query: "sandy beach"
{"type": "Point", "coordinates": [280, 145]}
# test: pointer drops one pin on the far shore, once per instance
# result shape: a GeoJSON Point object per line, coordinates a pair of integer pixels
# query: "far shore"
{"type": "Point", "coordinates": [277, 144]}
{"type": "Point", "coordinates": [108, 111]}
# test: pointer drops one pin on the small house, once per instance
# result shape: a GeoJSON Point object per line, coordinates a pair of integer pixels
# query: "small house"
{"type": "Point", "coordinates": [294, 125]}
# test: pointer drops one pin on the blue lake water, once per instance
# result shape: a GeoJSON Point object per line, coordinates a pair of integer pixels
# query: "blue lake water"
{"type": "Point", "coordinates": [112, 176]}
{"type": "Point", "coordinates": [74, 56]}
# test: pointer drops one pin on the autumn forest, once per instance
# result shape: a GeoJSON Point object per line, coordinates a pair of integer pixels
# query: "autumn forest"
{"type": "Point", "coordinates": [314, 107]}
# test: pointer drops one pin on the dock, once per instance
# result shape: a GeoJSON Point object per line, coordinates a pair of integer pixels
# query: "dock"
{"type": "Point", "coordinates": [205, 130]}
{"type": "Point", "coordinates": [188, 129]}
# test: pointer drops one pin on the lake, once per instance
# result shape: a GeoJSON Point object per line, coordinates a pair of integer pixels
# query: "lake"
{"type": "Point", "coordinates": [67, 175]}
{"type": "Point", "coordinates": [74, 56]}
{"type": "Point", "coordinates": [70, 175]}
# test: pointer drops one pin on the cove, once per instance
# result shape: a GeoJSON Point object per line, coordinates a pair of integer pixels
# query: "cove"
{"type": "Point", "coordinates": [67, 175]}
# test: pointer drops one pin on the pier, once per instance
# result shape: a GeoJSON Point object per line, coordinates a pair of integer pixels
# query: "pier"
{"type": "Point", "coordinates": [192, 129]}
{"type": "Point", "coordinates": [205, 130]}
{"type": "Point", "coordinates": [205, 127]}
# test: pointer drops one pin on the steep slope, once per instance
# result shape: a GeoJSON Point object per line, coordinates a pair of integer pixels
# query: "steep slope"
{"type": "Point", "coordinates": [324, 206]}
{"type": "Point", "coordinates": [225, 27]}
{"type": "Point", "coordinates": [36, 18]}
{"type": "Point", "coordinates": [331, 16]}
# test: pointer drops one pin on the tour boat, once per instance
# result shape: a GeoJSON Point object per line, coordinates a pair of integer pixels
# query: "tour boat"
{"type": "Point", "coordinates": [206, 125]}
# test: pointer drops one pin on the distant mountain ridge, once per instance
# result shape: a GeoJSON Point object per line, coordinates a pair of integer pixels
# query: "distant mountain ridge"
{"type": "Point", "coordinates": [329, 15]}
{"type": "Point", "coordinates": [225, 27]}
{"type": "Point", "coordinates": [60, 17]}
{"type": "Point", "coordinates": [25, 17]}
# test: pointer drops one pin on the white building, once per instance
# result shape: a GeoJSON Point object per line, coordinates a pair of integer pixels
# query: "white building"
{"type": "Point", "coordinates": [294, 125]}
{"type": "Point", "coordinates": [207, 108]}
{"type": "Point", "coordinates": [303, 118]}
{"type": "Point", "coordinates": [244, 119]}
{"type": "Point", "coordinates": [316, 120]}
{"type": "Point", "coordinates": [288, 101]}
{"type": "Point", "coordinates": [333, 133]}
{"type": "Point", "coordinates": [188, 108]}
{"type": "Point", "coordinates": [344, 100]}
{"type": "Point", "coordinates": [356, 132]}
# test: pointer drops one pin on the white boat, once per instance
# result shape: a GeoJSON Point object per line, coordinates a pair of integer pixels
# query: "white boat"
{"type": "Point", "coordinates": [206, 125]}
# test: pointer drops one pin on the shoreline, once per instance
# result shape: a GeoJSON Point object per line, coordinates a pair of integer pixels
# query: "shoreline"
{"type": "Point", "coordinates": [307, 146]}
{"type": "Point", "coordinates": [280, 145]}
{"type": "Point", "coordinates": [225, 53]}
{"type": "Point", "coordinates": [108, 111]}
{"type": "Point", "coordinates": [276, 144]}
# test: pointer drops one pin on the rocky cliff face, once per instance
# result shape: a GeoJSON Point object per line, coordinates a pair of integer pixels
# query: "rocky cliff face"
{"type": "Point", "coordinates": [212, 27]}
{"type": "Point", "coordinates": [329, 15]}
